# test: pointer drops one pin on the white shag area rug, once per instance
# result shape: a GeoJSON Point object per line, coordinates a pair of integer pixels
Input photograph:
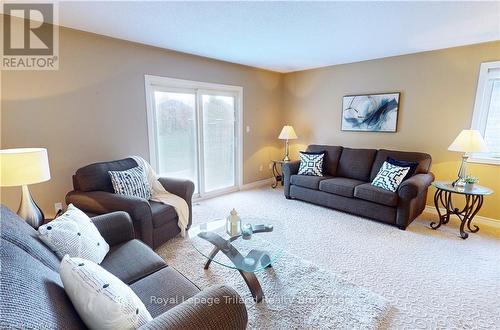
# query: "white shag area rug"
{"type": "Point", "coordinates": [431, 278]}
{"type": "Point", "coordinates": [297, 294]}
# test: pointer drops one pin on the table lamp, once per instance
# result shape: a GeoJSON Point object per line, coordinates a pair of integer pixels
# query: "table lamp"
{"type": "Point", "coordinates": [287, 133]}
{"type": "Point", "coordinates": [21, 167]}
{"type": "Point", "coordinates": [469, 140]}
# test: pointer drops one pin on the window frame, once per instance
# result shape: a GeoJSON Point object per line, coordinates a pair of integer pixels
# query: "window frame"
{"type": "Point", "coordinates": [481, 107]}
{"type": "Point", "coordinates": [152, 83]}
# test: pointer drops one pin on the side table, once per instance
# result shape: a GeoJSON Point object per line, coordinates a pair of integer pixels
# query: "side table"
{"type": "Point", "coordinates": [278, 172]}
{"type": "Point", "coordinates": [473, 201]}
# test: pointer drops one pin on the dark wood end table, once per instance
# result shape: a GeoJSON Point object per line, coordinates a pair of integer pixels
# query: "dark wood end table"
{"type": "Point", "coordinates": [473, 201]}
{"type": "Point", "coordinates": [278, 172]}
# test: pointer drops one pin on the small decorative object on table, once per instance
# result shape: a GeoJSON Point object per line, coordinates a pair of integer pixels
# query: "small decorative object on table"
{"type": "Point", "coordinates": [278, 173]}
{"type": "Point", "coordinates": [467, 141]}
{"type": "Point", "coordinates": [287, 133]}
{"type": "Point", "coordinates": [473, 201]}
{"type": "Point", "coordinates": [233, 223]}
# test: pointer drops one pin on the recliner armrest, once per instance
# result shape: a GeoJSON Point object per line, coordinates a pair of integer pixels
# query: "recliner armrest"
{"type": "Point", "coordinates": [415, 185]}
{"type": "Point", "coordinates": [182, 188]}
{"type": "Point", "coordinates": [218, 307]}
{"type": "Point", "coordinates": [115, 227]}
{"type": "Point", "coordinates": [101, 202]}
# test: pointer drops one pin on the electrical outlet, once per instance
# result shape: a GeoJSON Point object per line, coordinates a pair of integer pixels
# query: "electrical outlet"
{"type": "Point", "coordinates": [58, 206]}
{"type": "Point", "coordinates": [270, 166]}
{"type": "Point", "coordinates": [261, 168]}
{"type": "Point", "coordinates": [248, 129]}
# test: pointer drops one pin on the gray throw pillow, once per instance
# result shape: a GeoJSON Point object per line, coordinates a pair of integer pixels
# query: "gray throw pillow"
{"type": "Point", "coordinates": [132, 182]}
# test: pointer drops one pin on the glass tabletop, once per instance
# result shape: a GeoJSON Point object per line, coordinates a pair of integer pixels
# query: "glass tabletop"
{"type": "Point", "coordinates": [249, 253]}
{"type": "Point", "coordinates": [472, 189]}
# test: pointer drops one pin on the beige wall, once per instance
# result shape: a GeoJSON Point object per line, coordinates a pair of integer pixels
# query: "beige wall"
{"type": "Point", "coordinates": [437, 97]}
{"type": "Point", "coordinates": [94, 109]}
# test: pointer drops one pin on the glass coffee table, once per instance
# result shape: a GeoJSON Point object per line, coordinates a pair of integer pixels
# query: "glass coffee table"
{"type": "Point", "coordinates": [246, 254]}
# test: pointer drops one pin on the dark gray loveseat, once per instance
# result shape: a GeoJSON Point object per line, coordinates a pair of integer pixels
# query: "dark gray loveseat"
{"type": "Point", "coordinates": [154, 223]}
{"type": "Point", "coordinates": [346, 184]}
{"type": "Point", "coordinates": [33, 297]}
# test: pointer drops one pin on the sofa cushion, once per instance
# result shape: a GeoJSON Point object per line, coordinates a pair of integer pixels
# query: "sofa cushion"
{"type": "Point", "coordinates": [163, 290]}
{"type": "Point", "coordinates": [18, 232]}
{"type": "Point", "coordinates": [424, 160]}
{"type": "Point", "coordinates": [356, 163]}
{"type": "Point", "coordinates": [162, 213]}
{"type": "Point", "coordinates": [331, 158]}
{"type": "Point", "coordinates": [340, 186]}
{"type": "Point", "coordinates": [370, 193]}
{"type": "Point", "coordinates": [33, 296]}
{"type": "Point", "coordinates": [307, 181]}
{"type": "Point", "coordinates": [132, 261]}
{"type": "Point", "coordinates": [96, 177]}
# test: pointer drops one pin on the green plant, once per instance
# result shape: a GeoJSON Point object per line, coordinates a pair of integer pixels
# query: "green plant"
{"type": "Point", "coordinates": [471, 180]}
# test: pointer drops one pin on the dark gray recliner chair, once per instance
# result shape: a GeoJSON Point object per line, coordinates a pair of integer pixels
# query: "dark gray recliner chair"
{"type": "Point", "coordinates": [154, 223]}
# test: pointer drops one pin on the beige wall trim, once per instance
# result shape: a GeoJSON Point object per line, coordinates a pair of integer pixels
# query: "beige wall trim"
{"type": "Point", "coordinates": [257, 184]}
{"type": "Point", "coordinates": [479, 220]}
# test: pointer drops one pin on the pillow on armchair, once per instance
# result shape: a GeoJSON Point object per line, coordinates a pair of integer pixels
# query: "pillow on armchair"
{"type": "Point", "coordinates": [131, 182]}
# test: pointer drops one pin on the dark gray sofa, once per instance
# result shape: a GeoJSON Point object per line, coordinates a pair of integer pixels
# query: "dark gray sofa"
{"type": "Point", "coordinates": [33, 297]}
{"type": "Point", "coordinates": [154, 223]}
{"type": "Point", "coordinates": [346, 184]}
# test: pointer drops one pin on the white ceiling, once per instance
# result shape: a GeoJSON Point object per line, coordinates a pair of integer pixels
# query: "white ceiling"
{"type": "Point", "coordinates": [290, 36]}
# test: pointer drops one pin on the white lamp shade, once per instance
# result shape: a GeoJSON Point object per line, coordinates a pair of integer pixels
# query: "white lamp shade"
{"type": "Point", "coordinates": [287, 133]}
{"type": "Point", "coordinates": [23, 166]}
{"type": "Point", "coordinates": [469, 140]}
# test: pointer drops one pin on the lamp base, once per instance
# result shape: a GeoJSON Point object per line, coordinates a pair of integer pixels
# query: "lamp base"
{"type": "Point", "coordinates": [462, 173]}
{"type": "Point", "coordinates": [29, 210]}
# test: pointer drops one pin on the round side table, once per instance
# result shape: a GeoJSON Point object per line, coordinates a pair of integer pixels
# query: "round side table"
{"type": "Point", "coordinates": [473, 201]}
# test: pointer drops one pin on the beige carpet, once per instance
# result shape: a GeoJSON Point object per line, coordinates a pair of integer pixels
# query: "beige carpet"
{"type": "Point", "coordinates": [432, 278]}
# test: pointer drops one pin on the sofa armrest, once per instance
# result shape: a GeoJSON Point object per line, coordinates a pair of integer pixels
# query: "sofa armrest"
{"type": "Point", "coordinates": [218, 307]}
{"type": "Point", "coordinates": [101, 202]}
{"type": "Point", "coordinates": [415, 185]}
{"type": "Point", "coordinates": [115, 227]}
{"type": "Point", "coordinates": [182, 188]}
{"type": "Point", "coordinates": [289, 169]}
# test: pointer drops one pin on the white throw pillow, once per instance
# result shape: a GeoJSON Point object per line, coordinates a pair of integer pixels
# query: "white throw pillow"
{"type": "Point", "coordinates": [311, 163]}
{"type": "Point", "coordinates": [389, 177]}
{"type": "Point", "coordinates": [74, 234]}
{"type": "Point", "coordinates": [100, 298]}
{"type": "Point", "coordinates": [132, 182]}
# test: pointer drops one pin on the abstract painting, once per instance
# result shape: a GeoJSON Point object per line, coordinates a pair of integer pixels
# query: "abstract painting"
{"type": "Point", "coordinates": [371, 112]}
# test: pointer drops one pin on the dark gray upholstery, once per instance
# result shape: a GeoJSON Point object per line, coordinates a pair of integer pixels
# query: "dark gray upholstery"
{"type": "Point", "coordinates": [33, 296]}
{"type": "Point", "coordinates": [350, 188]}
{"type": "Point", "coordinates": [374, 194]}
{"type": "Point", "coordinates": [360, 207]}
{"type": "Point", "coordinates": [156, 290]}
{"type": "Point", "coordinates": [161, 212]}
{"type": "Point", "coordinates": [340, 186]}
{"type": "Point", "coordinates": [154, 223]}
{"type": "Point", "coordinates": [308, 181]}
{"type": "Point", "coordinates": [331, 159]}
{"type": "Point", "coordinates": [141, 262]}
{"type": "Point", "coordinates": [356, 163]}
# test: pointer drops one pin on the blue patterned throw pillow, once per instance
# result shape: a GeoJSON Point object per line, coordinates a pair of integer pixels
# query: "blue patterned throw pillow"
{"type": "Point", "coordinates": [132, 182]}
{"type": "Point", "coordinates": [311, 163]}
{"type": "Point", "coordinates": [389, 177]}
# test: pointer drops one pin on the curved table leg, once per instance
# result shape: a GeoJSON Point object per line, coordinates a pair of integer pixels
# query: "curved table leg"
{"type": "Point", "coordinates": [471, 217]}
{"type": "Point", "coordinates": [253, 284]}
{"type": "Point", "coordinates": [212, 255]}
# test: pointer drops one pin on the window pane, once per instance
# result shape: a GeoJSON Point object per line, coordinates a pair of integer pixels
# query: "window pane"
{"type": "Point", "coordinates": [176, 129]}
{"type": "Point", "coordinates": [219, 141]}
{"type": "Point", "coordinates": [492, 131]}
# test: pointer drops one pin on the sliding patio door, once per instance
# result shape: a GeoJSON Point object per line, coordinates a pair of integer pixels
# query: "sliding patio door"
{"type": "Point", "coordinates": [194, 132]}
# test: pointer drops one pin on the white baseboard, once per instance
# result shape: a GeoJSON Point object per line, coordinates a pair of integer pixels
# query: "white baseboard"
{"type": "Point", "coordinates": [477, 219]}
{"type": "Point", "coordinates": [257, 184]}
